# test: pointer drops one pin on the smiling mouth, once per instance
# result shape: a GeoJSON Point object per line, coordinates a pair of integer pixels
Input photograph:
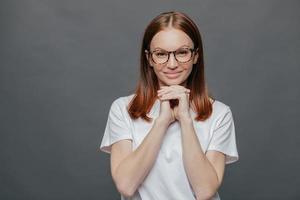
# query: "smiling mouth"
{"type": "Point", "coordinates": [172, 75]}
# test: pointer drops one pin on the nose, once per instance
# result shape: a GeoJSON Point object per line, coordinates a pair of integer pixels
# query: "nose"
{"type": "Point", "coordinates": [172, 62]}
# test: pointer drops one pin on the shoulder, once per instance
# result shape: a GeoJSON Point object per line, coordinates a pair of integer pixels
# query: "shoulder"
{"type": "Point", "coordinates": [220, 108]}
{"type": "Point", "coordinates": [221, 113]}
{"type": "Point", "coordinates": [122, 102]}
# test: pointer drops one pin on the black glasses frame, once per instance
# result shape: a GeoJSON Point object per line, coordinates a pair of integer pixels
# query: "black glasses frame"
{"type": "Point", "coordinates": [169, 52]}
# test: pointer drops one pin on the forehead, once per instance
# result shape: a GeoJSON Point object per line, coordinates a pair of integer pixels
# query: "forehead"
{"type": "Point", "coordinates": [170, 39]}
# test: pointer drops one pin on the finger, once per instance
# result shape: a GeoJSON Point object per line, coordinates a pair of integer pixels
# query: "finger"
{"type": "Point", "coordinates": [180, 88]}
{"type": "Point", "coordinates": [177, 90]}
{"type": "Point", "coordinates": [164, 88]}
{"type": "Point", "coordinates": [187, 91]}
{"type": "Point", "coordinates": [164, 97]}
{"type": "Point", "coordinates": [163, 92]}
{"type": "Point", "coordinates": [169, 96]}
{"type": "Point", "coordinates": [173, 114]}
{"type": "Point", "coordinates": [161, 87]}
{"type": "Point", "coordinates": [173, 93]}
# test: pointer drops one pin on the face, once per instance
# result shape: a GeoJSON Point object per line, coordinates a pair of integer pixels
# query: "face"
{"type": "Point", "coordinates": [172, 72]}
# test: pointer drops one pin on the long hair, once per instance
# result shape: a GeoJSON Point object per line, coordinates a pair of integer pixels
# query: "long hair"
{"type": "Point", "coordinates": [146, 90]}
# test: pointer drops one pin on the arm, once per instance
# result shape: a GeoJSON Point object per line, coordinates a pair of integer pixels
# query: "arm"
{"type": "Point", "coordinates": [205, 173]}
{"type": "Point", "coordinates": [129, 171]}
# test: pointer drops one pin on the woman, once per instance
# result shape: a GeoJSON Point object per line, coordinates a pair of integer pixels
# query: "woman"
{"type": "Point", "coordinates": [170, 140]}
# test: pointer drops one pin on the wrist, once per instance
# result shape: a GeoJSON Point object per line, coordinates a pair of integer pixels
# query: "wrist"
{"type": "Point", "coordinates": [187, 119]}
{"type": "Point", "coordinates": [161, 122]}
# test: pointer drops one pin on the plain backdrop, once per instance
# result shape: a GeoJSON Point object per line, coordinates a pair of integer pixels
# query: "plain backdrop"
{"type": "Point", "coordinates": [63, 62]}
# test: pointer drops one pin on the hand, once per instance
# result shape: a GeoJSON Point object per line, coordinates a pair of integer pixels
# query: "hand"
{"type": "Point", "coordinates": [166, 113]}
{"type": "Point", "coordinates": [179, 93]}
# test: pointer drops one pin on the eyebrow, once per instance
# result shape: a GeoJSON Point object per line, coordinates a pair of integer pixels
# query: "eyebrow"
{"type": "Point", "coordinates": [158, 48]}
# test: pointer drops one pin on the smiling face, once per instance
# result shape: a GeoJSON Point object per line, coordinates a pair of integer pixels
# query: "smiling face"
{"type": "Point", "coordinates": [172, 72]}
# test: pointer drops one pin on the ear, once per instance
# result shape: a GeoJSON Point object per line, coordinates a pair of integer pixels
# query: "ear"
{"type": "Point", "coordinates": [196, 56]}
{"type": "Point", "coordinates": [148, 57]}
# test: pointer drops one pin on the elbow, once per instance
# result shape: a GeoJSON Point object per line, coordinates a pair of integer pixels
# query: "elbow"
{"type": "Point", "coordinates": [206, 195]}
{"type": "Point", "coordinates": [125, 189]}
{"type": "Point", "coordinates": [123, 184]}
{"type": "Point", "coordinates": [209, 193]}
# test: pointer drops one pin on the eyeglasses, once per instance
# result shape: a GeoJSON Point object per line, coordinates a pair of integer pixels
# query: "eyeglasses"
{"type": "Point", "coordinates": [181, 55]}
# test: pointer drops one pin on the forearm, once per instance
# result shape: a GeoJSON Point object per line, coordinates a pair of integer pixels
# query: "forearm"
{"type": "Point", "coordinates": [200, 171]}
{"type": "Point", "coordinates": [134, 168]}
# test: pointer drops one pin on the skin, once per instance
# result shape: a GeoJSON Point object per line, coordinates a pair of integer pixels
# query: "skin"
{"type": "Point", "coordinates": [205, 171]}
{"type": "Point", "coordinates": [172, 39]}
{"type": "Point", "coordinates": [206, 182]}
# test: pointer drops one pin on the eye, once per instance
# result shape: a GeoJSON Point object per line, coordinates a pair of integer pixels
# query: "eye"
{"type": "Point", "coordinates": [160, 54]}
{"type": "Point", "coordinates": [182, 52]}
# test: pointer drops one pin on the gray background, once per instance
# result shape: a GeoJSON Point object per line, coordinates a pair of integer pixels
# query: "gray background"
{"type": "Point", "coordinates": [64, 62]}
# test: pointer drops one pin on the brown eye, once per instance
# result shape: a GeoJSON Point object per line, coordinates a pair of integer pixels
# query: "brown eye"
{"type": "Point", "coordinates": [160, 54]}
{"type": "Point", "coordinates": [182, 52]}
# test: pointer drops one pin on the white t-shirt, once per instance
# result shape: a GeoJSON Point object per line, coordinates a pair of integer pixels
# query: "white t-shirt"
{"type": "Point", "coordinates": [167, 179]}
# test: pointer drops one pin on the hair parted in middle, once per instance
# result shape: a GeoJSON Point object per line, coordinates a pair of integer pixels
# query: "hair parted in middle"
{"type": "Point", "coordinates": [146, 90]}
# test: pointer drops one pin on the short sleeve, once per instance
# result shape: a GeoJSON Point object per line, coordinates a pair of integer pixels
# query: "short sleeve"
{"type": "Point", "coordinates": [117, 126]}
{"type": "Point", "coordinates": [224, 138]}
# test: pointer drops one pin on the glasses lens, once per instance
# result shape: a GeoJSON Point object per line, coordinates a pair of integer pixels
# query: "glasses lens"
{"type": "Point", "coordinates": [183, 55]}
{"type": "Point", "coordinates": [160, 56]}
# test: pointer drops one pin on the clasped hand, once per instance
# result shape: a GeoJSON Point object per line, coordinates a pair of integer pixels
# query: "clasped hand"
{"type": "Point", "coordinates": [179, 112]}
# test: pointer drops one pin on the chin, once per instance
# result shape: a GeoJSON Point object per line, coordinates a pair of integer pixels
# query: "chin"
{"type": "Point", "coordinates": [173, 82]}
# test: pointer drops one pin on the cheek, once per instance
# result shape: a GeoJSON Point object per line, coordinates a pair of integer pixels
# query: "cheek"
{"type": "Point", "coordinates": [188, 70]}
{"type": "Point", "coordinates": [157, 71]}
{"type": "Point", "coordinates": [157, 68]}
{"type": "Point", "coordinates": [188, 67]}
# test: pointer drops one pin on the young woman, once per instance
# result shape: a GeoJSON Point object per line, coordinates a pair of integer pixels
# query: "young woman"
{"type": "Point", "coordinates": [170, 140]}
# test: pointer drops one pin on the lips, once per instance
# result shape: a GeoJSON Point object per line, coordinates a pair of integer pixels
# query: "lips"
{"type": "Point", "coordinates": [172, 75]}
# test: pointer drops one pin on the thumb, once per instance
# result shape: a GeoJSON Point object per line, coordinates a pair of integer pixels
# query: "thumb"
{"type": "Point", "coordinates": [173, 115]}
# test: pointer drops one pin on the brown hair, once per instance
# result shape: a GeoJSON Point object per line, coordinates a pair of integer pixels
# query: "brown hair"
{"type": "Point", "coordinates": [146, 90]}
